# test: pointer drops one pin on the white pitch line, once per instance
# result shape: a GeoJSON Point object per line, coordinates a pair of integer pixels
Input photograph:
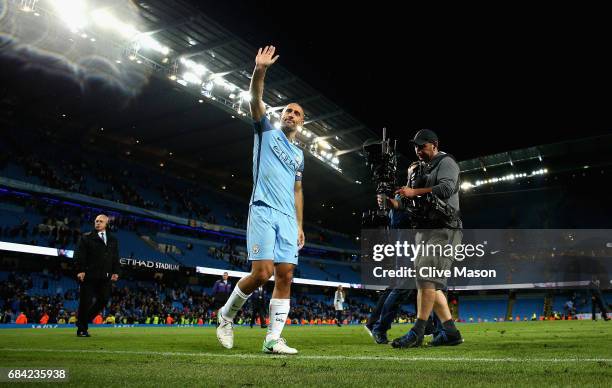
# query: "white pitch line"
{"type": "Point", "coordinates": [313, 357]}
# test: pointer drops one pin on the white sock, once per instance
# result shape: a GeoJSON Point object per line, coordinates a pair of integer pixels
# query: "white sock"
{"type": "Point", "coordinates": [234, 304]}
{"type": "Point", "coordinates": [279, 309]}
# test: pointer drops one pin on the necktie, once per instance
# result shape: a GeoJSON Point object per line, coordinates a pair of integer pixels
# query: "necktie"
{"type": "Point", "coordinates": [103, 237]}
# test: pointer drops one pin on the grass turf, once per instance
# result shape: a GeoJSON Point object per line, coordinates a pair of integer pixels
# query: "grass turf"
{"type": "Point", "coordinates": [502, 354]}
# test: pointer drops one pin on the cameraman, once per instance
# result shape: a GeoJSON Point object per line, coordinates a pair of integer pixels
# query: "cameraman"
{"type": "Point", "coordinates": [439, 187]}
{"type": "Point", "coordinates": [391, 299]}
{"type": "Point", "coordinates": [399, 218]}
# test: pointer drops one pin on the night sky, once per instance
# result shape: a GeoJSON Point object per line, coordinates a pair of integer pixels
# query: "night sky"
{"type": "Point", "coordinates": [485, 85]}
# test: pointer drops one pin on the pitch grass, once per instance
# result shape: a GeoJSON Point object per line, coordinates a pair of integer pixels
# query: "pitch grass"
{"type": "Point", "coordinates": [576, 353]}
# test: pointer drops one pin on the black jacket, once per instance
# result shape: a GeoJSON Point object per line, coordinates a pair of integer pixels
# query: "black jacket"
{"type": "Point", "coordinates": [259, 297]}
{"type": "Point", "coordinates": [97, 260]}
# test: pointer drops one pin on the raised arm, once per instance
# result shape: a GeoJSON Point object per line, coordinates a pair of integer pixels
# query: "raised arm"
{"type": "Point", "coordinates": [264, 59]}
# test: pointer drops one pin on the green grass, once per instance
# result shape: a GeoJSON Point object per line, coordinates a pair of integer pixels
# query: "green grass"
{"type": "Point", "coordinates": [577, 353]}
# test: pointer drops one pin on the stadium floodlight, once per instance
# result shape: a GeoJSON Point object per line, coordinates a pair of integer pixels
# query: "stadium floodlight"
{"type": "Point", "coordinates": [106, 20]}
{"type": "Point", "coordinates": [192, 78]}
{"type": "Point", "coordinates": [103, 18]}
{"type": "Point", "coordinates": [232, 96]}
{"type": "Point", "coordinates": [72, 12]}
{"type": "Point", "coordinates": [209, 86]}
{"type": "Point", "coordinates": [308, 134]}
{"type": "Point", "coordinates": [335, 160]}
{"type": "Point", "coordinates": [125, 30]}
{"type": "Point", "coordinates": [218, 81]}
{"type": "Point", "coordinates": [147, 41]}
{"type": "Point", "coordinates": [277, 125]}
{"type": "Point", "coordinates": [193, 66]}
{"type": "Point", "coordinates": [466, 186]}
{"type": "Point", "coordinates": [245, 95]}
{"type": "Point", "coordinates": [324, 144]}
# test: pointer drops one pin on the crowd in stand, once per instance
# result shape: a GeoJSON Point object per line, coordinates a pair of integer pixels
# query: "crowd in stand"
{"type": "Point", "coordinates": [145, 302]}
{"type": "Point", "coordinates": [228, 252]}
{"type": "Point", "coordinates": [16, 301]}
{"type": "Point", "coordinates": [79, 173]}
{"type": "Point", "coordinates": [122, 187]}
{"type": "Point", "coordinates": [60, 226]}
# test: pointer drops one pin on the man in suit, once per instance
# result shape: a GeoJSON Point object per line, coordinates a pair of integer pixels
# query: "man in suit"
{"type": "Point", "coordinates": [221, 291]}
{"type": "Point", "coordinates": [97, 263]}
{"type": "Point", "coordinates": [258, 307]}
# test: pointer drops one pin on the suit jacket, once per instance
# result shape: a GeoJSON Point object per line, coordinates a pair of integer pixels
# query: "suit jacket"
{"type": "Point", "coordinates": [221, 288]}
{"type": "Point", "coordinates": [259, 297]}
{"type": "Point", "coordinates": [97, 260]}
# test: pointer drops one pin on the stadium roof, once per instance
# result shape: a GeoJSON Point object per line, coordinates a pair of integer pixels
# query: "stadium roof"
{"type": "Point", "coordinates": [191, 35]}
{"type": "Point", "coordinates": [169, 120]}
{"type": "Point", "coordinates": [181, 124]}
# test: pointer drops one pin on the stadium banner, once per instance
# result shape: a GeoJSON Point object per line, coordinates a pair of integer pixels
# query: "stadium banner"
{"type": "Point", "coordinates": [480, 259]}
{"type": "Point", "coordinates": [131, 262]}
{"type": "Point", "coordinates": [109, 326]}
{"type": "Point", "coordinates": [136, 263]}
{"type": "Point", "coordinates": [35, 250]}
{"type": "Point", "coordinates": [312, 282]}
{"type": "Point", "coordinates": [134, 325]}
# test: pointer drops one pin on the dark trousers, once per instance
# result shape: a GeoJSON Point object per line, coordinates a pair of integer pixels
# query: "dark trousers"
{"type": "Point", "coordinates": [375, 316]}
{"type": "Point", "coordinates": [100, 289]}
{"type": "Point", "coordinates": [339, 314]}
{"type": "Point", "coordinates": [598, 301]}
{"type": "Point", "coordinates": [219, 300]}
{"type": "Point", "coordinates": [258, 310]}
{"type": "Point", "coordinates": [390, 309]}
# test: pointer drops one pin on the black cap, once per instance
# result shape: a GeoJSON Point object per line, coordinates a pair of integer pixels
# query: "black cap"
{"type": "Point", "coordinates": [424, 136]}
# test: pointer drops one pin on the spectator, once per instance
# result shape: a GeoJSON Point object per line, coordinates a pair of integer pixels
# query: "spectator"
{"type": "Point", "coordinates": [44, 319]}
{"type": "Point", "coordinates": [221, 291]}
{"type": "Point", "coordinates": [21, 319]}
